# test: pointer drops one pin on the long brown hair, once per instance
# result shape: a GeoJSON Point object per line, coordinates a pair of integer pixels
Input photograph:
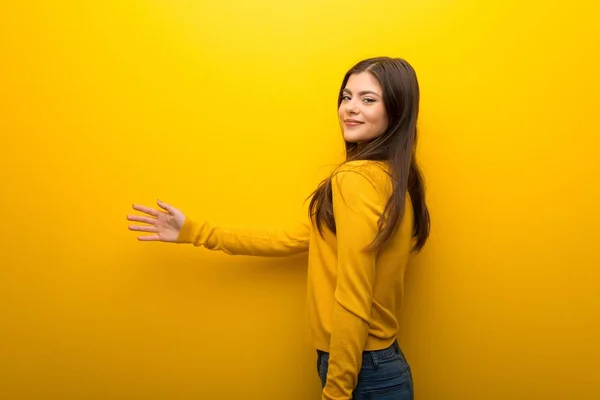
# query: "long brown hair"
{"type": "Point", "coordinates": [396, 146]}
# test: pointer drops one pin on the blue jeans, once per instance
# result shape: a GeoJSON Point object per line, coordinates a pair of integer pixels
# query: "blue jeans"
{"type": "Point", "coordinates": [385, 375]}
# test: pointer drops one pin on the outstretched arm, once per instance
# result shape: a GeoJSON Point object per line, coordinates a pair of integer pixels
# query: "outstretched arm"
{"type": "Point", "coordinates": [250, 241]}
{"type": "Point", "coordinates": [171, 225]}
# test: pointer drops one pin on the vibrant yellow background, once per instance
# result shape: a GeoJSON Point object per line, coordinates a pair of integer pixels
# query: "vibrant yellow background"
{"type": "Point", "coordinates": [227, 110]}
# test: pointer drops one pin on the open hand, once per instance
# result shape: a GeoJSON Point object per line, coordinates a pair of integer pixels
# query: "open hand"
{"type": "Point", "coordinates": [165, 225]}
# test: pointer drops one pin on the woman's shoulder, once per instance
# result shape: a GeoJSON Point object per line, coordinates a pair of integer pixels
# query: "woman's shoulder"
{"type": "Point", "coordinates": [370, 169]}
{"type": "Point", "coordinates": [363, 172]}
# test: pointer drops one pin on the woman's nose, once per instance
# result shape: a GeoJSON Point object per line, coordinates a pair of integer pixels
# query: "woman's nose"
{"type": "Point", "coordinates": [351, 108]}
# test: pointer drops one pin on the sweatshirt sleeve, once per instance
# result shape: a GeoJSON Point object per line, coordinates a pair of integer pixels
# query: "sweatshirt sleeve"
{"type": "Point", "coordinates": [250, 241]}
{"type": "Point", "coordinates": [357, 205]}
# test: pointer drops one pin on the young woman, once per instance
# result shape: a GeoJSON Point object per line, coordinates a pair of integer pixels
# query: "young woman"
{"type": "Point", "coordinates": [364, 222]}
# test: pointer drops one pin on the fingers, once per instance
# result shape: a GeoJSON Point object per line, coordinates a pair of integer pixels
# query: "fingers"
{"type": "Point", "coordinates": [147, 210]}
{"type": "Point", "coordinates": [166, 207]}
{"type": "Point", "coordinates": [142, 228]}
{"type": "Point", "coordinates": [151, 217]}
{"type": "Point", "coordinates": [149, 238]}
{"type": "Point", "coordinates": [141, 218]}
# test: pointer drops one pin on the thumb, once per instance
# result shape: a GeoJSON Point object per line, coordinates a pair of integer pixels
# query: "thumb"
{"type": "Point", "coordinates": [168, 207]}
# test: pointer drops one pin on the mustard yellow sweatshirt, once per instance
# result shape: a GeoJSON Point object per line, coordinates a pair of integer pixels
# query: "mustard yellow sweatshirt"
{"type": "Point", "coordinates": [354, 295]}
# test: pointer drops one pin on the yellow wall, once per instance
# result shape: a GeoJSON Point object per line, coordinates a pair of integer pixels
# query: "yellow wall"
{"type": "Point", "coordinates": [227, 110]}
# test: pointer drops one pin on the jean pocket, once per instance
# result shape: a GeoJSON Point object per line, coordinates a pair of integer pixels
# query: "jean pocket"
{"type": "Point", "coordinates": [396, 391]}
{"type": "Point", "coordinates": [390, 380]}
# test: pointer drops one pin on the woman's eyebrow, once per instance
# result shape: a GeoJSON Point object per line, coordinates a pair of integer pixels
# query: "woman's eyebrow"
{"type": "Point", "coordinates": [363, 92]}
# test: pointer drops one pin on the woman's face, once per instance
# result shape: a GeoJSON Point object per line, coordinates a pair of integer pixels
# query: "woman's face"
{"type": "Point", "coordinates": [362, 112]}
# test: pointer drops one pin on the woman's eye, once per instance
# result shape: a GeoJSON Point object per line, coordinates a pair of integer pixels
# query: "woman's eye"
{"type": "Point", "coordinates": [346, 97]}
{"type": "Point", "coordinates": [368, 100]}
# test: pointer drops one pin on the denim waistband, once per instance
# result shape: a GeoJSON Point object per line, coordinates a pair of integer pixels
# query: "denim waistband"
{"type": "Point", "coordinates": [373, 357]}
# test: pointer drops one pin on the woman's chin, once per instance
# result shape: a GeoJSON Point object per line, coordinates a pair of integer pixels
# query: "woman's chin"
{"type": "Point", "coordinates": [352, 137]}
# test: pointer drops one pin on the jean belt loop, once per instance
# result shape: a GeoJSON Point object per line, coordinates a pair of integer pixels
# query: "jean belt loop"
{"type": "Point", "coordinates": [375, 360]}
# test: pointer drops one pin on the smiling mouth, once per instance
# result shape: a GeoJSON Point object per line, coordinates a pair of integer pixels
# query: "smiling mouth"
{"type": "Point", "coordinates": [351, 122]}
